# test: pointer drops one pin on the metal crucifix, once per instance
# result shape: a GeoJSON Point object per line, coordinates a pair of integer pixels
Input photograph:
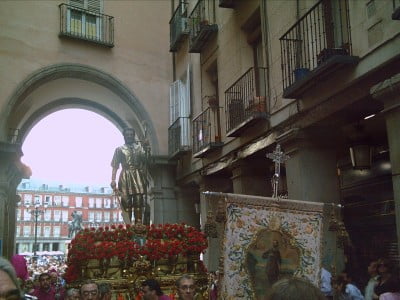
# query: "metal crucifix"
{"type": "Point", "coordinates": [278, 157]}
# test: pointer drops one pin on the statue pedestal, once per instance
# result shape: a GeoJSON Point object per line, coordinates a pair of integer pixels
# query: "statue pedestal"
{"type": "Point", "coordinates": [125, 256]}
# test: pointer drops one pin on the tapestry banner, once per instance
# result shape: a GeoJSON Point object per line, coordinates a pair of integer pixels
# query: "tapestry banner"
{"type": "Point", "coordinates": [267, 239]}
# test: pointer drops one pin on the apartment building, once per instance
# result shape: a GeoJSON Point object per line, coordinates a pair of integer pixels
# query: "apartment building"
{"type": "Point", "coordinates": [45, 214]}
{"type": "Point", "coordinates": [320, 78]}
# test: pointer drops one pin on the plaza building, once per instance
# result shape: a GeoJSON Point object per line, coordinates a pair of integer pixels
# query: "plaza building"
{"type": "Point", "coordinates": [45, 214]}
{"type": "Point", "coordinates": [216, 85]}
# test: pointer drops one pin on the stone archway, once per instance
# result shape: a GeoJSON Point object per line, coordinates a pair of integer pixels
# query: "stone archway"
{"type": "Point", "coordinates": [23, 111]}
{"type": "Point", "coordinates": [50, 89]}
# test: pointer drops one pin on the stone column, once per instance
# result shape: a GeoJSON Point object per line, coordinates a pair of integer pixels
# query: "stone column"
{"type": "Point", "coordinates": [188, 205]}
{"type": "Point", "coordinates": [251, 177]}
{"type": "Point", "coordinates": [11, 173]}
{"type": "Point", "coordinates": [311, 175]}
{"type": "Point", "coordinates": [162, 198]}
{"type": "Point", "coordinates": [388, 92]}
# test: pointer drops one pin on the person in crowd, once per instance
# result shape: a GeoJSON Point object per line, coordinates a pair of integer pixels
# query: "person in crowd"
{"type": "Point", "coordinates": [57, 283]}
{"type": "Point", "coordinates": [213, 285]}
{"type": "Point", "coordinates": [294, 289]}
{"type": "Point", "coordinates": [373, 280]}
{"type": "Point", "coordinates": [20, 266]}
{"type": "Point", "coordinates": [72, 294]}
{"type": "Point", "coordinates": [152, 291]}
{"type": "Point", "coordinates": [326, 283]}
{"type": "Point", "coordinates": [386, 277]}
{"type": "Point", "coordinates": [45, 291]}
{"type": "Point", "coordinates": [104, 291]}
{"type": "Point", "coordinates": [89, 290]}
{"type": "Point", "coordinates": [346, 290]}
{"type": "Point", "coordinates": [9, 288]}
{"type": "Point", "coordinates": [186, 288]}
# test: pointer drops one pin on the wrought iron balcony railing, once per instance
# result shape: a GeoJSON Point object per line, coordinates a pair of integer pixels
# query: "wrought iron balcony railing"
{"type": "Point", "coordinates": [321, 35]}
{"type": "Point", "coordinates": [178, 26]}
{"type": "Point", "coordinates": [179, 137]}
{"type": "Point", "coordinates": [245, 100]}
{"type": "Point", "coordinates": [87, 25]}
{"type": "Point", "coordinates": [201, 25]}
{"type": "Point", "coordinates": [207, 131]}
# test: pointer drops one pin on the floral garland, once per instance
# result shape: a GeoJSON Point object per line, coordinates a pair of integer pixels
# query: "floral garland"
{"type": "Point", "coordinates": [162, 241]}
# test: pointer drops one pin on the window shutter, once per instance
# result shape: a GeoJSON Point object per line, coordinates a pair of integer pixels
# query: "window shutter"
{"type": "Point", "coordinates": [77, 3]}
{"type": "Point", "coordinates": [186, 92]}
{"type": "Point", "coordinates": [174, 101]}
{"type": "Point", "coordinates": [94, 5]}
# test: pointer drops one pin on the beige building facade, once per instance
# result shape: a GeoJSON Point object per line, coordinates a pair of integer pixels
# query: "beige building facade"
{"type": "Point", "coordinates": [318, 77]}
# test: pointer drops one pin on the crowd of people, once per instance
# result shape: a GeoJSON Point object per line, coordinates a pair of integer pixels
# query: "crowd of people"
{"type": "Point", "coordinates": [20, 281]}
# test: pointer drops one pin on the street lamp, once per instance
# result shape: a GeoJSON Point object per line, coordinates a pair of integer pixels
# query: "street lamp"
{"type": "Point", "coordinates": [36, 212]}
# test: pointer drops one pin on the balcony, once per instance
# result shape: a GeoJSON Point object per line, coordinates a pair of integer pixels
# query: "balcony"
{"type": "Point", "coordinates": [86, 25]}
{"type": "Point", "coordinates": [202, 25]}
{"type": "Point", "coordinates": [207, 132]}
{"type": "Point", "coordinates": [179, 138]}
{"type": "Point", "coordinates": [226, 3]}
{"type": "Point", "coordinates": [318, 44]}
{"type": "Point", "coordinates": [245, 101]}
{"type": "Point", "coordinates": [178, 27]}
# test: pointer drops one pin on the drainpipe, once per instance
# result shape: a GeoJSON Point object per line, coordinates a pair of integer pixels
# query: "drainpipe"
{"type": "Point", "coordinates": [173, 53]}
{"type": "Point", "coordinates": [266, 54]}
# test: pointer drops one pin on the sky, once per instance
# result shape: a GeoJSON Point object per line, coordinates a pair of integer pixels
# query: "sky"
{"type": "Point", "coordinates": [72, 146]}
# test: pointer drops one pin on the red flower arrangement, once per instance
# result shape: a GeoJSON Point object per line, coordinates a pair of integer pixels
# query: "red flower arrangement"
{"type": "Point", "coordinates": [162, 242]}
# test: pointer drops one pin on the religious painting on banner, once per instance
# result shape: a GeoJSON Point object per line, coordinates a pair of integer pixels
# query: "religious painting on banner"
{"type": "Point", "coordinates": [267, 239]}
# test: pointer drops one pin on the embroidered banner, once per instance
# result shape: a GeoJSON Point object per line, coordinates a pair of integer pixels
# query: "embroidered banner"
{"type": "Point", "coordinates": [267, 239]}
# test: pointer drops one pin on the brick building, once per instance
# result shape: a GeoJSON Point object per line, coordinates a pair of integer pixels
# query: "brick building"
{"type": "Point", "coordinates": [54, 206]}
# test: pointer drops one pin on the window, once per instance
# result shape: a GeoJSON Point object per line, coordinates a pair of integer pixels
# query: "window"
{"type": "Point", "coordinates": [39, 230]}
{"type": "Point", "coordinates": [57, 215]}
{"type": "Point", "coordinates": [78, 201]}
{"type": "Point", "coordinates": [106, 216]}
{"type": "Point", "coordinates": [27, 215]}
{"type": "Point", "coordinates": [83, 18]}
{"type": "Point", "coordinates": [179, 108]}
{"type": "Point", "coordinates": [47, 231]}
{"type": "Point", "coordinates": [65, 215]}
{"type": "Point", "coordinates": [65, 201]}
{"type": "Point", "coordinates": [99, 202]}
{"type": "Point", "coordinates": [27, 230]}
{"type": "Point", "coordinates": [18, 214]}
{"type": "Point", "coordinates": [120, 217]}
{"type": "Point", "coordinates": [91, 202]}
{"type": "Point", "coordinates": [98, 216]}
{"type": "Point", "coordinates": [38, 200]}
{"type": "Point", "coordinates": [115, 216]}
{"type": "Point", "coordinates": [18, 231]}
{"type": "Point", "coordinates": [107, 203]}
{"type": "Point", "coordinates": [47, 215]}
{"type": "Point", "coordinates": [27, 199]}
{"type": "Point", "coordinates": [56, 231]}
{"type": "Point", "coordinates": [57, 200]}
{"type": "Point", "coordinates": [47, 200]}
{"type": "Point", "coordinates": [91, 216]}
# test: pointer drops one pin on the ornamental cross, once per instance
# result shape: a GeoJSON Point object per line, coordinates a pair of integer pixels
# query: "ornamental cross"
{"type": "Point", "coordinates": [278, 157]}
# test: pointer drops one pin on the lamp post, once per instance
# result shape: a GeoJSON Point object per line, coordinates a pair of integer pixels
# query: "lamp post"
{"type": "Point", "coordinates": [36, 212]}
